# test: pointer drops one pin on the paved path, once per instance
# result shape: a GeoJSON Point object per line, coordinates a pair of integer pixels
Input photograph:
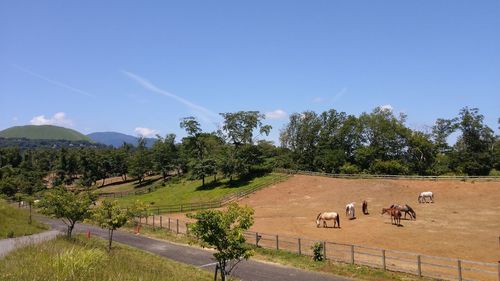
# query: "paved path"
{"type": "Point", "coordinates": [7, 245]}
{"type": "Point", "coordinates": [246, 270]}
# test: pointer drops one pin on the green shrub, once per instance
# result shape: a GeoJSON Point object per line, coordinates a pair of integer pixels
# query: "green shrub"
{"type": "Point", "coordinates": [494, 173]}
{"type": "Point", "coordinates": [390, 167]}
{"type": "Point", "coordinates": [318, 251]}
{"type": "Point", "coordinates": [349, 168]}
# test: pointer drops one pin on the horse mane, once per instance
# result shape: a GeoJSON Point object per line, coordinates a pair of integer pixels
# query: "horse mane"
{"type": "Point", "coordinates": [319, 215]}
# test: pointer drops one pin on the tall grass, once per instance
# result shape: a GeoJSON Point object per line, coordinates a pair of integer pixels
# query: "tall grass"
{"type": "Point", "coordinates": [85, 260]}
{"type": "Point", "coordinates": [14, 222]}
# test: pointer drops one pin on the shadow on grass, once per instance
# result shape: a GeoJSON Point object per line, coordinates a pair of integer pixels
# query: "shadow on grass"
{"type": "Point", "coordinates": [235, 183]}
{"type": "Point", "coordinates": [146, 183]}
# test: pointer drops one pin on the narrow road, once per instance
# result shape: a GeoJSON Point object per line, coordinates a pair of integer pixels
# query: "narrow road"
{"type": "Point", "coordinates": [247, 270]}
{"type": "Point", "coordinates": [10, 244]}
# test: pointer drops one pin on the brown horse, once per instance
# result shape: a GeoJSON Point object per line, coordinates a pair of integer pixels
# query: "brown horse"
{"type": "Point", "coordinates": [365, 207]}
{"type": "Point", "coordinates": [395, 215]}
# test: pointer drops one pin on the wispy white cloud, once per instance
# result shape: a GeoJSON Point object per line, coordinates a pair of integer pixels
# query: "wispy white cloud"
{"type": "Point", "coordinates": [52, 81]}
{"type": "Point", "coordinates": [333, 99]}
{"type": "Point", "coordinates": [146, 132]}
{"type": "Point", "coordinates": [277, 114]}
{"type": "Point", "coordinates": [58, 119]}
{"type": "Point", "coordinates": [204, 113]}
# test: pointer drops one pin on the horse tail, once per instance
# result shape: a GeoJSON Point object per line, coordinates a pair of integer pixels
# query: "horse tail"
{"type": "Point", "coordinates": [338, 220]}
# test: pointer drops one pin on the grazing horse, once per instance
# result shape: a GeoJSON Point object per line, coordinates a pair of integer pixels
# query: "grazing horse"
{"type": "Point", "coordinates": [422, 198]}
{"type": "Point", "coordinates": [365, 207]}
{"type": "Point", "coordinates": [350, 211]}
{"type": "Point", "coordinates": [328, 216]}
{"type": "Point", "coordinates": [395, 215]}
{"type": "Point", "coordinates": [405, 209]}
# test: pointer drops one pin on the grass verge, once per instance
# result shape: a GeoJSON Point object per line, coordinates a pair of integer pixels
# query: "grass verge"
{"type": "Point", "coordinates": [82, 259]}
{"type": "Point", "coordinates": [14, 222]}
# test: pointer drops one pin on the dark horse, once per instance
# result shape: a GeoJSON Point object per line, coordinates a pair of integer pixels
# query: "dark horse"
{"type": "Point", "coordinates": [365, 207]}
{"type": "Point", "coordinates": [395, 215]}
{"type": "Point", "coordinates": [405, 209]}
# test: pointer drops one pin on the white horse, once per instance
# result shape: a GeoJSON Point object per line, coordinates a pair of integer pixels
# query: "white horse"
{"type": "Point", "coordinates": [422, 198]}
{"type": "Point", "coordinates": [350, 211]}
{"type": "Point", "coordinates": [328, 216]}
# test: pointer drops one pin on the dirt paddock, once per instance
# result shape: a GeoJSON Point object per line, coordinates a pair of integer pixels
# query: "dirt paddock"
{"type": "Point", "coordinates": [464, 221]}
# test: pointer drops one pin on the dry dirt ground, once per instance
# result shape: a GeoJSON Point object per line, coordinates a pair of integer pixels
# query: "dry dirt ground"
{"type": "Point", "coordinates": [464, 221]}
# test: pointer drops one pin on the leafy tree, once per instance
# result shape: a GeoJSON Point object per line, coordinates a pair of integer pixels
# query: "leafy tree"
{"type": "Point", "coordinates": [473, 153]}
{"type": "Point", "coordinates": [111, 217]}
{"type": "Point", "coordinates": [164, 155]}
{"type": "Point", "coordinates": [140, 162]}
{"type": "Point", "coordinates": [224, 232]}
{"type": "Point", "coordinates": [68, 206]}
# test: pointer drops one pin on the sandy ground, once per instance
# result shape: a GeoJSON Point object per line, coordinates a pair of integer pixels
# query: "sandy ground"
{"type": "Point", "coordinates": [464, 221]}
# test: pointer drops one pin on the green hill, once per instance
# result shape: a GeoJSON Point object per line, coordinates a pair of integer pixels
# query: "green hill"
{"type": "Point", "coordinates": [43, 132]}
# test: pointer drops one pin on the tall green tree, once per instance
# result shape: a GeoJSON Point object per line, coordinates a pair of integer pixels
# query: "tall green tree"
{"type": "Point", "coordinates": [165, 155]}
{"type": "Point", "coordinates": [473, 153]}
{"type": "Point", "coordinates": [140, 161]}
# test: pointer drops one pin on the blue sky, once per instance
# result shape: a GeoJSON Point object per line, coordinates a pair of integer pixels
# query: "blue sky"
{"type": "Point", "coordinates": [140, 66]}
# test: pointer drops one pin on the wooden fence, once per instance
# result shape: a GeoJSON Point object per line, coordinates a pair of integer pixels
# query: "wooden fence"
{"type": "Point", "coordinates": [417, 264]}
{"type": "Point", "coordinates": [369, 176]}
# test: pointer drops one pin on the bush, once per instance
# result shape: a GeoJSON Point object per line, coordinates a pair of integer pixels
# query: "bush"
{"type": "Point", "coordinates": [10, 234]}
{"type": "Point", "coordinates": [318, 251]}
{"type": "Point", "coordinates": [494, 173]}
{"type": "Point", "coordinates": [390, 167]}
{"type": "Point", "coordinates": [349, 168]}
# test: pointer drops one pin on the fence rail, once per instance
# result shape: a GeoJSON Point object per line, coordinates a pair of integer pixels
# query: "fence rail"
{"type": "Point", "coordinates": [369, 176]}
{"type": "Point", "coordinates": [413, 263]}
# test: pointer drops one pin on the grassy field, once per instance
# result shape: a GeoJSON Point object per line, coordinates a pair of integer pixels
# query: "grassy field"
{"type": "Point", "coordinates": [14, 222]}
{"type": "Point", "coordinates": [186, 191]}
{"type": "Point", "coordinates": [129, 185]}
{"type": "Point", "coordinates": [84, 260]}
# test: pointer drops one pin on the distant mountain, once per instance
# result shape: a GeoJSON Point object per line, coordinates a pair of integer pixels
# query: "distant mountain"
{"type": "Point", "coordinates": [117, 139]}
{"type": "Point", "coordinates": [43, 132]}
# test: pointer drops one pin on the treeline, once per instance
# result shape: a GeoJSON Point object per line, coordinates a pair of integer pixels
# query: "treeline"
{"type": "Point", "coordinates": [230, 152]}
{"type": "Point", "coordinates": [24, 143]}
{"type": "Point", "coordinates": [334, 142]}
{"type": "Point", "coordinates": [380, 143]}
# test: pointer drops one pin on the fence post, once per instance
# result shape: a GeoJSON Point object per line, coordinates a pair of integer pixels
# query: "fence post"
{"type": "Point", "coordinates": [383, 260]}
{"type": "Point", "coordinates": [459, 266]}
{"type": "Point", "coordinates": [161, 221]}
{"type": "Point", "coordinates": [499, 271]}
{"type": "Point", "coordinates": [187, 229]}
{"type": "Point", "coordinates": [277, 242]}
{"type": "Point", "coordinates": [300, 253]}
{"type": "Point", "coordinates": [324, 249]}
{"type": "Point", "coordinates": [352, 254]}
{"type": "Point", "coordinates": [256, 239]}
{"type": "Point", "coordinates": [419, 266]}
{"type": "Point", "coordinates": [153, 221]}
{"type": "Point", "coordinates": [169, 223]}
{"type": "Point", "coordinates": [146, 220]}
{"type": "Point", "coordinates": [177, 226]}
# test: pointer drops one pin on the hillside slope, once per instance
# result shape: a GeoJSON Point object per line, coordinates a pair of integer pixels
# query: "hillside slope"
{"type": "Point", "coordinates": [43, 132]}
